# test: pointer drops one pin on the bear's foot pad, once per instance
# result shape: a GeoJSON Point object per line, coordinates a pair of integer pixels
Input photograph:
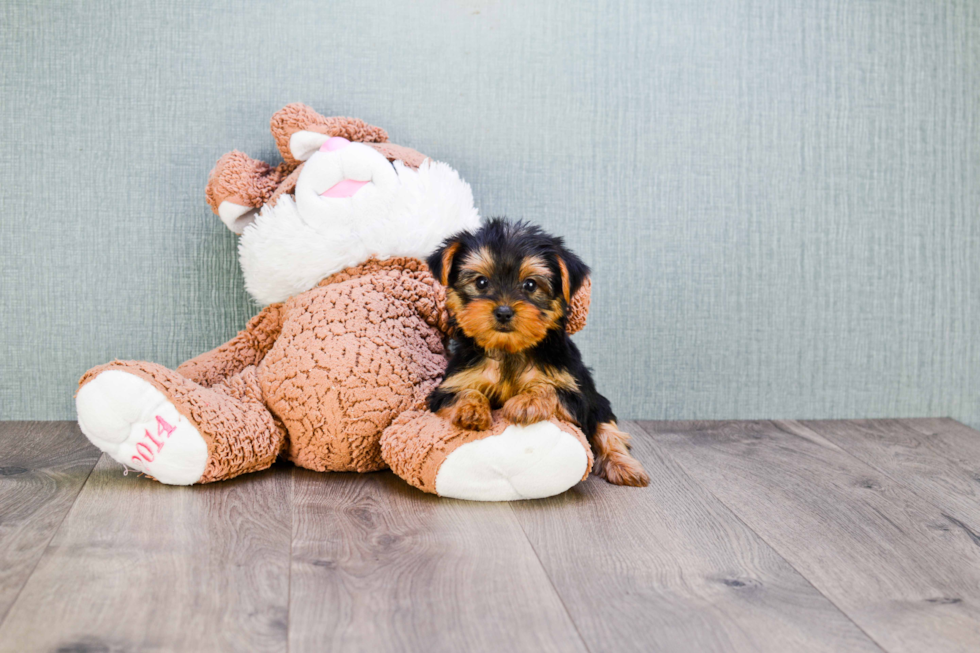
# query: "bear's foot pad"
{"type": "Point", "coordinates": [523, 462]}
{"type": "Point", "coordinates": [128, 418]}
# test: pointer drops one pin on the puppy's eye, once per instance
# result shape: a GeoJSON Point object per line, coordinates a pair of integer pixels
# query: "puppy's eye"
{"type": "Point", "coordinates": [482, 283]}
{"type": "Point", "coordinates": [530, 286]}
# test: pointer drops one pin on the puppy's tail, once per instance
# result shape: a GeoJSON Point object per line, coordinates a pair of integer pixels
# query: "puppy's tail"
{"type": "Point", "coordinates": [613, 461]}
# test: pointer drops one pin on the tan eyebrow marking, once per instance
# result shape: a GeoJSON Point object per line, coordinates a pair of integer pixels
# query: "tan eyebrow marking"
{"type": "Point", "coordinates": [566, 291]}
{"type": "Point", "coordinates": [479, 262]}
{"type": "Point", "coordinates": [534, 266]}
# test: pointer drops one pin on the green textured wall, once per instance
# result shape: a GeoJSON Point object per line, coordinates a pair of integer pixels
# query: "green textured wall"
{"type": "Point", "coordinates": [779, 199]}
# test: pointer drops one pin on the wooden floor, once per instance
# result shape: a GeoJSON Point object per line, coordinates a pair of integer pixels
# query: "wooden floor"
{"type": "Point", "coordinates": [753, 536]}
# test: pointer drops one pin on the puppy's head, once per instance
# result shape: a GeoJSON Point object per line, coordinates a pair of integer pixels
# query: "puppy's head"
{"type": "Point", "coordinates": [509, 283]}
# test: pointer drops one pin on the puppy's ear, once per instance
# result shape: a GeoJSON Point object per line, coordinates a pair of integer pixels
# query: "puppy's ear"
{"type": "Point", "coordinates": [440, 262]}
{"type": "Point", "coordinates": [573, 273]}
{"type": "Point", "coordinates": [576, 288]}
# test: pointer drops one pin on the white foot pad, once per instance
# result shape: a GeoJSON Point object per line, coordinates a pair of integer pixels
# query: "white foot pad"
{"type": "Point", "coordinates": [529, 462]}
{"type": "Point", "coordinates": [133, 422]}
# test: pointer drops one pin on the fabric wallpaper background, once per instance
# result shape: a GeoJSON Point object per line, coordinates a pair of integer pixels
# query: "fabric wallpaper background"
{"type": "Point", "coordinates": [780, 199]}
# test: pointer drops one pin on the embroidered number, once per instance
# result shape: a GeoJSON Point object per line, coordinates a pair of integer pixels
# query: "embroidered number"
{"type": "Point", "coordinates": [163, 426]}
{"type": "Point", "coordinates": [146, 452]}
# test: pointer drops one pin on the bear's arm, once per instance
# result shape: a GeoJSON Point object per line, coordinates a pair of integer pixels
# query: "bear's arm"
{"type": "Point", "coordinates": [249, 347]}
{"type": "Point", "coordinates": [578, 310]}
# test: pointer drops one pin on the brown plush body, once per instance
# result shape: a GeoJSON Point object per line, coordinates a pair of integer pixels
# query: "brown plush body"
{"type": "Point", "coordinates": [306, 378]}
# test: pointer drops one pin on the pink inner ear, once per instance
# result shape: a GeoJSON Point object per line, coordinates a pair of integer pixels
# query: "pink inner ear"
{"type": "Point", "coordinates": [334, 144]}
{"type": "Point", "coordinates": [345, 188]}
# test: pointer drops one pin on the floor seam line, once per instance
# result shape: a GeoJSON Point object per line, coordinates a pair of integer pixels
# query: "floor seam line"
{"type": "Point", "coordinates": [775, 550]}
{"type": "Point", "coordinates": [289, 575]}
{"type": "Point", "coordinates": [884, 473]}
{"type": "Point", "coordinates": [551, 582]}
{"type": "Point", "coordinates": [3, 619]}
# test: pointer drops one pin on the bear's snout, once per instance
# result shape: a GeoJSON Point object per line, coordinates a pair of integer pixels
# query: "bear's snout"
{"type": "Point", "coordinates": [334, 144]}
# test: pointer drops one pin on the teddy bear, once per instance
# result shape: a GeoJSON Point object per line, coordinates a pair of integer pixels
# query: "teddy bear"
{"type": "Point", "coordinates": [333, 372]}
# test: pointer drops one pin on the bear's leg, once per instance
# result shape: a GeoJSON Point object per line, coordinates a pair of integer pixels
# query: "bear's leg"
{"type": "Point", "coordinates": [154, 420]}
{"type": "Point", "coordinates": [504, 463]}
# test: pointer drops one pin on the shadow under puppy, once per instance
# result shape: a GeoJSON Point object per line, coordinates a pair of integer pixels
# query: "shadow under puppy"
{"type": "Point", "coordinates": [509, 286]}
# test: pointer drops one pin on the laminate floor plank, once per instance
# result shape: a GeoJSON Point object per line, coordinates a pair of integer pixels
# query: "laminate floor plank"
{"type": "Point", "coordinates": [669, 568]}
{"type": "Point", "coordinates": [885, 556]}
{"type": "Point", "coordinates": [938, 459]}
{"type": "Point", "coordinates": [137, 565]}
{"type": "Point", "coordinates": [43, 466]}
{"type": "Point", "coordinates": [380, 566]}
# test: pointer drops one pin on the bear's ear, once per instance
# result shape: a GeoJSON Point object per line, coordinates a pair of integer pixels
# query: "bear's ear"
{"type": "Point", "coordinates": [304, 143]}
{"type": "Point", "coordinates": [297, 117]}
{"type": "Point", "coordinates": [440, 262]}
{"type": "Point", "coordinates": [238, 186]}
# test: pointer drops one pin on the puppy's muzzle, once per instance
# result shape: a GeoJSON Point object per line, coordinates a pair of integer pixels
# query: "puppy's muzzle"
{"type": "Point", "coordinates": [504, 315]}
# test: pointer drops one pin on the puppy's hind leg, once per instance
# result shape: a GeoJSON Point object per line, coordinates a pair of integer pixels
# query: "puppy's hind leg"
{"type": "Point", "coordinates": [613, 461]}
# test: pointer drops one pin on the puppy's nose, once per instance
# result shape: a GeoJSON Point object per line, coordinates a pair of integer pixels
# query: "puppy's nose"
{"type": "Point", "coordinates": [334, 144]}
{"type": "Point", "coordinates": [503, 313]}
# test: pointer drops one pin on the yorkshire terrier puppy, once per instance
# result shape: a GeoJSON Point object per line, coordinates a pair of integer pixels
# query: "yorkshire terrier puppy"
{"type": "Point", "coordinates": [509, 286]}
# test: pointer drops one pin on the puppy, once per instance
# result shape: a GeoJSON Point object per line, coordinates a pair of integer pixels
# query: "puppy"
{"type": "Point", "coordinates": [509, 286]}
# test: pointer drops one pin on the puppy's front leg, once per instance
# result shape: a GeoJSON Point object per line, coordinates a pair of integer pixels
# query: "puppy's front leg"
{"type": "Point", "coordinates": [469, 410]}
{"type": "Point", "coordinates": [533, 405]}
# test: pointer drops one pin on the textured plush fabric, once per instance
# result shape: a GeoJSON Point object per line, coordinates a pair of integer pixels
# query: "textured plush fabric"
{"type": "Point", "coordinates": [778, 198]}
{"type": "Point", "coordinates": [243, 180]}
{"type": "Point", "coordinates": [287, 186]}
{"type": "Point", "coordinates": [578, 308]}
{"type": "Point", "coordinates": [352, 355]}
{"type": "Point", "coordinates": [249, 347]}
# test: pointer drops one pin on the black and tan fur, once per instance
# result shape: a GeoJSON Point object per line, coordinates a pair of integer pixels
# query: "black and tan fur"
{"type": "Point", "coordinates": [509, 286]}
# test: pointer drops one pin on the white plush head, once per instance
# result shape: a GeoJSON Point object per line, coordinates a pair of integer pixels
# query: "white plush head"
{"type": "Point", "coordinates": [350, 204]}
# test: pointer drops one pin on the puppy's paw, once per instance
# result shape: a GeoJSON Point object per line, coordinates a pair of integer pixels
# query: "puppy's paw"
{"type": "Point", "coordinates": [471, 412]}
{"type": "Point", "coordinates": [529, 407]}
{"type": "Point", "coordinates": [613, 461]}
{"type": "Point", "coordinates": [622, 469]}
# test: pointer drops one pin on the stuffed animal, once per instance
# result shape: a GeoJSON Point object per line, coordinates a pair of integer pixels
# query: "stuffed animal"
{"type": "Point", "coordinates": [334, 371]}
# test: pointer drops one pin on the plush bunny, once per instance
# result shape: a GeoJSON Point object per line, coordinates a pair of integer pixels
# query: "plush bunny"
{"type": "Point", "coordinates": [334, 371]}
